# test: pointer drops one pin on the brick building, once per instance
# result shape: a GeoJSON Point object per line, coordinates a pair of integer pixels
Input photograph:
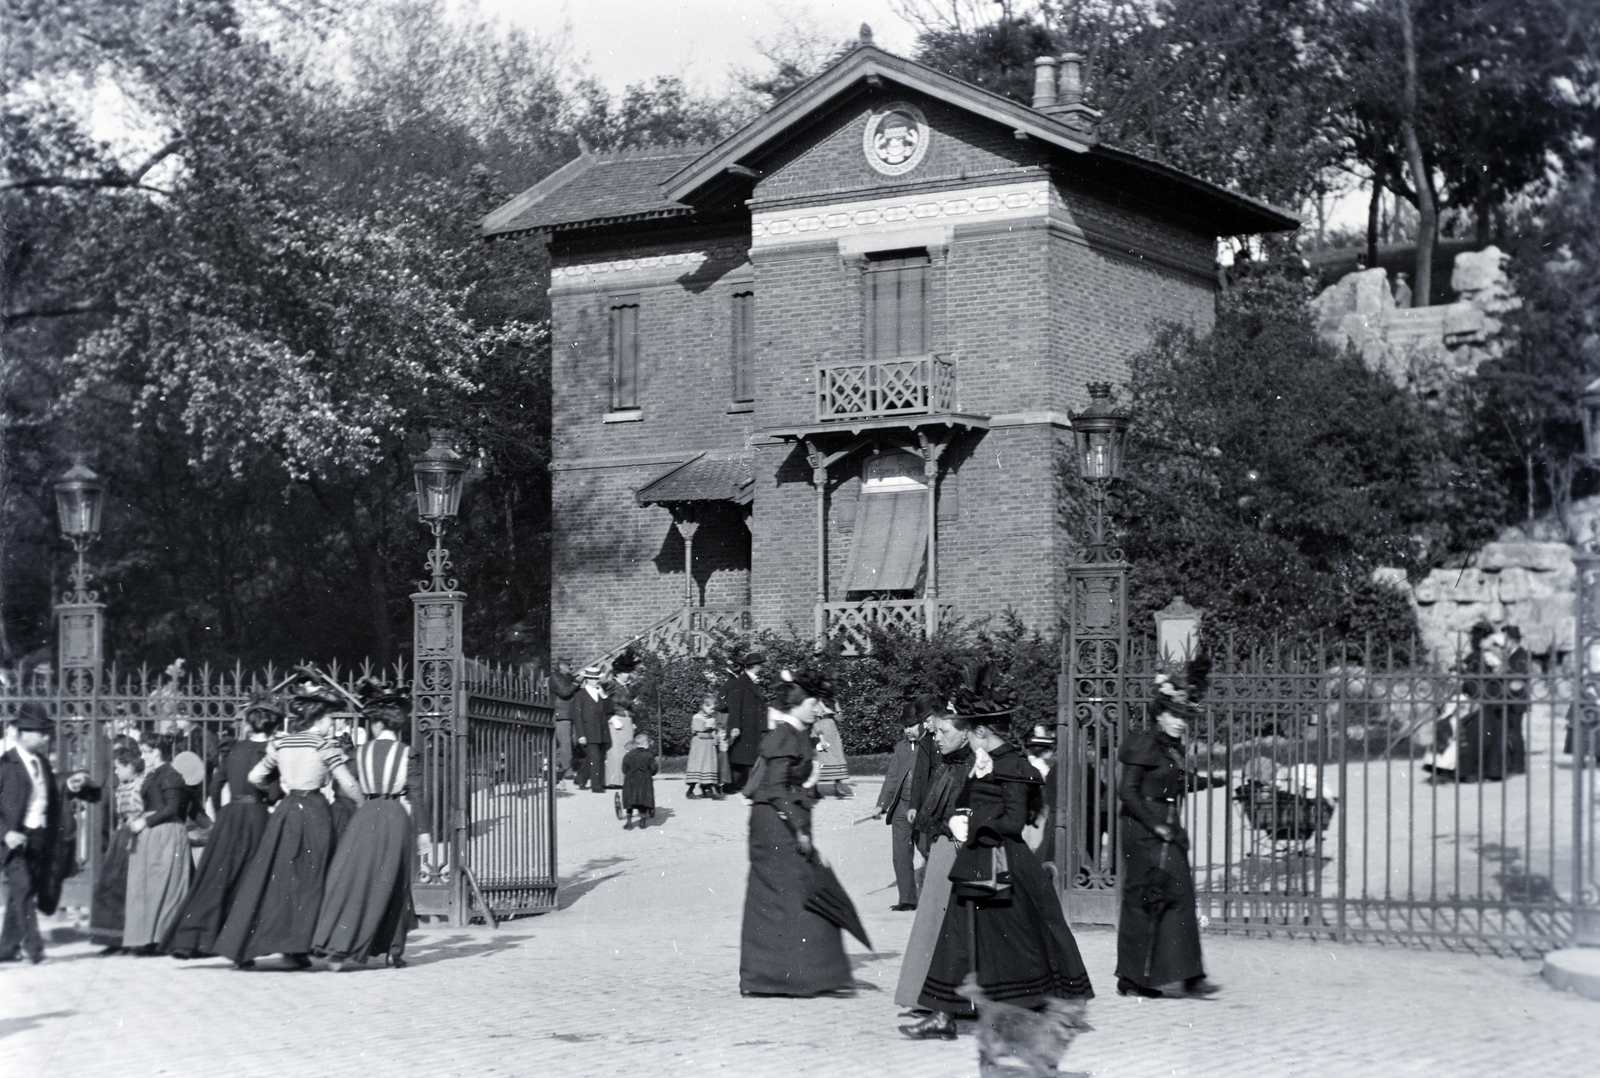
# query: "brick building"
{"type": "Point", "coordinates": [819, 374]}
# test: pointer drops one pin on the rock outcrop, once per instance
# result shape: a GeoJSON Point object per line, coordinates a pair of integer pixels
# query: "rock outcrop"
{"type": "Point", "coordinates": [1420, 348]}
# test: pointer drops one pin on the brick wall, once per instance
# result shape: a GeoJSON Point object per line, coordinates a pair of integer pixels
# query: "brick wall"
{"type": "Point", "coordinates": [1029, 309]}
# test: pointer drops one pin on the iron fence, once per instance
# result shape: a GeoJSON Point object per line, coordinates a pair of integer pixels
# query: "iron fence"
{"type": "Point", "coordinates": [1339, 792]}
{"type": "Point", "coordinates": [484, 800]}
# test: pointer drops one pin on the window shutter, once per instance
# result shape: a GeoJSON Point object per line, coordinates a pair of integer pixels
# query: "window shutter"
{"type": "Point", "coordinates": [897, 307]}
{"type": "Point", "coordinates": [744, 346]}
{"type": "Point", "coordinates": [625, 357]}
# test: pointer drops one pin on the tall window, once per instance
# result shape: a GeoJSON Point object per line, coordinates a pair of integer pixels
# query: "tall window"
{"type": "Point", "coordinates": [897, 304]}
{"type": "Point", "coordinates": [624, 354]}
{"type": "Point", "coordinates": [744, 347]}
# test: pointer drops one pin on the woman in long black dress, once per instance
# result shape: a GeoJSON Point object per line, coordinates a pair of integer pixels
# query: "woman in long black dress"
{"type": "Point", "coordinates": [1158, 934]}
{"type": "Point", "coordinates": [1004, 922]}
{"type": "Point", "coordinates": [241, 822]}
{"type": "Point", "coordinates": [786, 949]}
{"type": "Point", "coordinates": [275, 908]}
{"type": "Point", "coordinates": [366, 906]}
{"type": "Point", "coordinates": [108, 906]}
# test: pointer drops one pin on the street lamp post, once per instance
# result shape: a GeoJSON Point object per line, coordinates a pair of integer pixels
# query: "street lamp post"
{"type": "Point", "coordinates": [1090, 696]}
{"type": "Point", "coordinates": [80, 616]}
{"type": "Point", "coordinates": [437, 726]}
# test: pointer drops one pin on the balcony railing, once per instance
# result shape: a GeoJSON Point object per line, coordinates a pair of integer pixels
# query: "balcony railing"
{"type": "Point", "coordinates": [850, 623]}
{"type": "Point", "coordinates": [689, 630]}
{"type": "Point", "coordinates": [873, 389]}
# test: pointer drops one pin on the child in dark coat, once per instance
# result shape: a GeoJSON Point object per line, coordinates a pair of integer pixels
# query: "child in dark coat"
{"type": "Point", "coordinates": [639, 765]}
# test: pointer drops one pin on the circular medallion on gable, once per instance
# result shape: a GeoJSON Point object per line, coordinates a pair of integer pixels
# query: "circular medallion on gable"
{"type": "Point", "coordinates": [896, 138]}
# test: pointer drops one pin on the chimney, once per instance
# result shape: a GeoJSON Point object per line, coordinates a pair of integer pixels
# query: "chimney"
{"type": "Point", "coordinates": [1068, 105]}
{"type": "Point", "coordinates": [864, 36]}
{"type": "Point", "coordinates": [1044, 82]}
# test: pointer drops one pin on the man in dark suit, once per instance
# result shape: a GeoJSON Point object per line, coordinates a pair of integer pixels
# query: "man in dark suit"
{"type": "Point", "coordinates": [747, 718]}
{"type": "Point", "coordinates": [31, 825]}
{"type": "Point", "coordinates": [564, 688]}
{"type": "Point", "coordinates": [591, 729]}
{"type": "Point", "coordinates": [895, 805]}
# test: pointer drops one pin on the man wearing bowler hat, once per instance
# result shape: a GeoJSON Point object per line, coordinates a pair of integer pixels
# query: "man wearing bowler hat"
{"type": "Point", "coordinates": [747, 718]}
{"type": "Point", "coordinates": [591, 729]}
{"type": "Point", "coordinates": [30, 825]}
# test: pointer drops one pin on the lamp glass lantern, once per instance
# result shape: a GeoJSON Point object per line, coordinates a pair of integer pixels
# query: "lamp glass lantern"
{"type": "Point", "coordinates": [1099, 432]}
{"type": "Point", "coordinates": [440, 473]}
{"type": "Point", "coordinates": [80, 498]}
{"type": "Point", "coordinates": [1589, 413]}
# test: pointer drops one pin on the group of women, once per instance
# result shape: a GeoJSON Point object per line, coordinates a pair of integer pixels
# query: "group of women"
{"type": "Point", "coordinates": [281, 872]}
{"type": "Point", "coordinates": [986, 906]}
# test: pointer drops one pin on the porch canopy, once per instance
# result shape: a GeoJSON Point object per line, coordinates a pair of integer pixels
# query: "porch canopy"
{"type": "Point", "coordinates": [711, 476]}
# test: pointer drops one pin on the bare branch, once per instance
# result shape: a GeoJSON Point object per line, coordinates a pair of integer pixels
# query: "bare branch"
{"type": "Point", "coordinates": [14, 317]}
{"type": "Point", "coordinates": [116, 179]}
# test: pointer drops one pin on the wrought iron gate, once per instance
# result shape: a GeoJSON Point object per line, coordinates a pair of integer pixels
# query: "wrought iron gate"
{"type": "Point", "coordinates": [487, 741]}
{"type": "Point", "coordinates": [1323, 806]}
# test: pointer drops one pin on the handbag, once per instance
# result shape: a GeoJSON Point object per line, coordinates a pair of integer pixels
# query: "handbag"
{"type": "Point", "coordinates": [981, 872]}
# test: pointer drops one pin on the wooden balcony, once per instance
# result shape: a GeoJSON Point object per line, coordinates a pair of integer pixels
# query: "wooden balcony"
{"type": "Point", "coordinates": [886, 388]}
{"type": "Point", "coordinates": [851, 623]}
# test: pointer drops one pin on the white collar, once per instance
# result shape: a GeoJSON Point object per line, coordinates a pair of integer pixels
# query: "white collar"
{"type": "Point", "coordinates": [594, 690]}
{"type": "Point", "coordinates": [784, 716]}
{"type": "Point", "coordinates": [27, 757]}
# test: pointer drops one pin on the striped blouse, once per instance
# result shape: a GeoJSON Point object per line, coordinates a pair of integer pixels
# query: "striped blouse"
{"type": "Point", "coordinates": [301, 761]}
{"type": "Point", "coordinates": [381, 767]}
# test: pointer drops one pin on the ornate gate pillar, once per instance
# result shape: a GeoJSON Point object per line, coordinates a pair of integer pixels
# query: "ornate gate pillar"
{"type": "Point", "coordinates": [1091, 695]}
{"type": "Point", "coordinates": [439, 731]}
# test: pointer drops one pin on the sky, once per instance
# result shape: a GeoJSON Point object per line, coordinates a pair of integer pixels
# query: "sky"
{"type": "Point", "coordinates": [629, 41]}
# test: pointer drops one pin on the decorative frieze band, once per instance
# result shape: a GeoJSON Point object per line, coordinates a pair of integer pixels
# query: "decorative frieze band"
{"type": "Point", "coordinates": [1000, 202]}
{"type": "Point", "coordinates": [670, 266]}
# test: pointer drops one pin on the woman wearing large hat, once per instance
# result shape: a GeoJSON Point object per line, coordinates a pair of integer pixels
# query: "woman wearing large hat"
{"type": "Point", "coordinates": [366, 906]}
{"type": "Point", "coordinates": [1003, 923]}
{"type": "Point", "coordinates": [241, 822]}
{"type": "Point", "coordinates": [787, 949]}
{"type": "Point", "coordinates": [1158, 933]}
{"type": "Point", "coordinates": [275, 909]}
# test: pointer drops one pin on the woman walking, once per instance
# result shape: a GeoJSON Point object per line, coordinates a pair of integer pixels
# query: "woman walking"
{"type": "Point", "coordinates": [785, 948]}
{"type": "Point", "coordinates": [830, 754]}
{"type": "Point", "coordinates": [366, 906]}
{"type": "Point", "coordinates": [241, 821]}
{"type": "Point", "coordinates": [701, 768]}
{"type": "Point", "coordinates": [620, 697]}
{"type": "Point", "coordinates": [109, 905]}
{"type": "Point", "coordinates": [946, 788]}
{"type": "Point", "coordinates": [1158, 935]}
{"type": "Point", "coordinates": [276, 906]}
{"type": "Point", "coordinates": [159, 863]}
{"type": "Point", "coordinates": [1003, 922]}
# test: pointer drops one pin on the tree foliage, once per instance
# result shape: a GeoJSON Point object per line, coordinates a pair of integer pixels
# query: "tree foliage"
{"type": "Point", "coordinates": [1268, 475]}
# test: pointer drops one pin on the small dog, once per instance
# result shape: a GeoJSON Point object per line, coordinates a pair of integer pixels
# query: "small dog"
{"type": "Point", "coordinates": [1037, 1039]}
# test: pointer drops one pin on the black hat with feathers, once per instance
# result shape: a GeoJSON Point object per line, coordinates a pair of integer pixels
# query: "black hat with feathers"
{"type": "Point", "coordinates": [980, 697]}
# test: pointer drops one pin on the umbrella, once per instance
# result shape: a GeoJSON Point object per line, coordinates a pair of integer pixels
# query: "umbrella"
{"type": "Point", "coordinates": [1160, 891]}
{"type": "Point", "coordinates": [829, 900]}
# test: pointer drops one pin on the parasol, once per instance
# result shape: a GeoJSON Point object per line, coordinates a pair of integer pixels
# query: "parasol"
{"type": "Point", "coordinates": [829, 900]}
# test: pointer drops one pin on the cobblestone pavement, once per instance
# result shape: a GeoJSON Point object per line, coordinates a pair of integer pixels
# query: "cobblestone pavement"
{"type": "Point", "coordinates": [638, 975]}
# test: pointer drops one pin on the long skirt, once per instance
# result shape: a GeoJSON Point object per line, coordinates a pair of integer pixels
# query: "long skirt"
{"type": "Point", "coordinates": [702, 764]}
{"type": "Point", "coordinates": [1165, 948]}
{"type": "Point", "coordinates": [931, 906]}
{"type": "Point", "coordinates": [1026, 954]}
{"type": "Point", "coordinates": [109, 905]}
{"type": "Point", "coordinates": [275, 909]}
{"type": "Point", "coordinates": [228, 852]}
{"type": "Point", "coordinates": [343, 810]}
{"type": "Point", "coordinates": [158, 880]}
{"type": "Point", "coordinates": [366, 906]}
{"type": "Point", "coordinates": [619, 748]}
{"type": "Point", "coordinates": [834, 766]}
{"type": "Point", "coordinates": [785, 949]}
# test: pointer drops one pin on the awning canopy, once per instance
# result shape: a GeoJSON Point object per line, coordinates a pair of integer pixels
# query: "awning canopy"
{"type": "Point", "coordinates": [890, 541]}
{"type": "Point", "coordinates": [712, 476]}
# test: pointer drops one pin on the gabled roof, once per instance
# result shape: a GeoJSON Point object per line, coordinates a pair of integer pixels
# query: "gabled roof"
{"type": "Point", "coordinates": [866, 63]}
{"type": "Point", "coordinates": [603, 189]}
{"type": "Point", "coordinates": [712, 476]}
{"type": "Point", "coordinates": [595, 189]}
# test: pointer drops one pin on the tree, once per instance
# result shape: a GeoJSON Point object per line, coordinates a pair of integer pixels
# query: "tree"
{"type": "Point", "coordinates": [257, 324]}
{"type": "Point", "coordinates": [1269, 474]}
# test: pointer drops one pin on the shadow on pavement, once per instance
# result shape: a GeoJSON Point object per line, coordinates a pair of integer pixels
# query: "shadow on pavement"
{"type": "Point", "coordinates": [452, 947]}
{"type": "Point", "coordinates": [10, 1026]}
{"type": "Point", "coordinates": [586, 878]}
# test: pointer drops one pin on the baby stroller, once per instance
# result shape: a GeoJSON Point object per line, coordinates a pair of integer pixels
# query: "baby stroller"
{"type": "Point", "coordinates": [1287, 816]}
